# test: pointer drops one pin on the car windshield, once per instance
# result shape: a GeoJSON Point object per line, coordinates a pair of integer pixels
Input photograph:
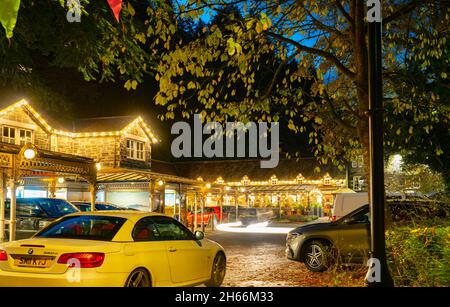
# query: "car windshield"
{"type": "Point", "coordinates": [83, 207]}
{"type": "Point", "coordinates": [84, 227]}
{"type": "Point", "coordinates": [51, 206]}
{"type": "Point", "coordinates": [106, 207]}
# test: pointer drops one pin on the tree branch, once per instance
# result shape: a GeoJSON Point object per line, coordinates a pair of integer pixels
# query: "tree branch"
{"type": "Point", "coordinates": [324, 54]}
{"type": "Point", "coordinates": [405, 9]}
{"type": "Point", "coordinates": [321, 25]}
{"type": "Point", "coordinates": [339, 120]}
{"type": "Point", "coordinates": [277, 72]}
{"type": "Point", "coordinates": [344, 12]}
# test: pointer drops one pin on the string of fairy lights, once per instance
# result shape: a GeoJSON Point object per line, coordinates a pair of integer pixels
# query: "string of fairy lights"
{"type": "Point", "coordinates": [327, 180]}
{"type": "Point", "coordinates": [135, 123]}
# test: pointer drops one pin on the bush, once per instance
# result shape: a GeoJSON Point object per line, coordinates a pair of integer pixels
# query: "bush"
{"type": "Point", "coordinates": [297, 218]}
{"type": "Point", "coordinates": [419, 255]}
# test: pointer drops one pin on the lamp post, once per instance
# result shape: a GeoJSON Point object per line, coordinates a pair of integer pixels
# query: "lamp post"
{"type": "Point", "coordinates": [378, 273]}
{"type": "Point", "coordinates": [27, 152]}
{"type": "Point", "coordinates": [2, 205]}
{"type": "Point", "coordinates": [202, 203]}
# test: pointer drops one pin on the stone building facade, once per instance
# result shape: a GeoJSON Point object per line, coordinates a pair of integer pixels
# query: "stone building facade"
{"type": "Point", "coordinates": [121, 147]}
{"type": "Point", "coordinates": [113, 142]}
{"type": "Point", "coordinates": [111, 145]}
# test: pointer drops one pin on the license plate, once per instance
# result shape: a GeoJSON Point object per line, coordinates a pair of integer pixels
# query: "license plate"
{"type": "Point", "coordinates": [32, 261]}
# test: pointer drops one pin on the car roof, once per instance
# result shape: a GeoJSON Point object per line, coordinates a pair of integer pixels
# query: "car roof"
{"type": "Point", "coordinates": [127, 214]}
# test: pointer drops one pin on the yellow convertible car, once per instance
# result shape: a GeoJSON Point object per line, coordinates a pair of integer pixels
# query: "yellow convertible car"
{"type": "Point", "coordinates": [113, 248]}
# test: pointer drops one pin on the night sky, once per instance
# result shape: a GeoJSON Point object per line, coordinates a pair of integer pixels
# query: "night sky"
{"type": "Point", "coordinates": [81, 99]}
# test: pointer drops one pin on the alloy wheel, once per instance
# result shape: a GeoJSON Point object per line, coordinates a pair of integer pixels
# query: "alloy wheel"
{"type": "Point", "coordinates": [219, 269]}
{"type": "Point", "coordinates": [138, 278]}
{"type": "Point", "coordinates": [315, 256]}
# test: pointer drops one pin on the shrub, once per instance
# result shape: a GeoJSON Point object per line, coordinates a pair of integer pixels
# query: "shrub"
{"type": "Point", "coordinates": [297, 218]}
{"type": "Point", "coordinates": [419, 255]}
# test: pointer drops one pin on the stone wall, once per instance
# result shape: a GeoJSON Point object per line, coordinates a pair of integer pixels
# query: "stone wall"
{"type": "Point", "coordinates": [41, 137]}
{"type": "Point", "coordinates": [63, 144]}
{"type": "Point", "coordinates": [101, 149]}
{"type": "Point", "coordinates": [124, 161]}
{"type": "Point", "coordinates": [111, 151]}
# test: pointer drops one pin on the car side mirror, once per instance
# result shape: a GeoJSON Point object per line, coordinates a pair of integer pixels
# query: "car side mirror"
{"type": "Point", "coordinates": [356, 220]}
{"type": "Point", "coordinates": [351, 220]}
{"type": "Point", "coordinates": [199, 235]}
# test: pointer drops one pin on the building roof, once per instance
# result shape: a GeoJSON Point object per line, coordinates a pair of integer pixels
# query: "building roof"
{"type": "Point", "coordinates": [83, 127]}
{"type": "Point", "coordinates": [235, 170]}
{"type": "Point", "coordinates": [113, 123]}
{"type": "Point", "coordinates": [164, 167]}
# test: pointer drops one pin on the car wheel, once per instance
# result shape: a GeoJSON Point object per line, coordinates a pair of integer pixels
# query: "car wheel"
{"type": "Point", "coordinates": [138, 278]}
{"type": "Point", "coordinates": [316, 256]}
{"type": "Point", "coordinates": [218, 271]}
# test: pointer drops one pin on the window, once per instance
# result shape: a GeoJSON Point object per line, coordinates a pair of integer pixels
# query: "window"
{"type": "Point", "coordinates": [362, 217]}
{"type": "Point", "coordinates": [135, 150]}
{"type": "Point", "coordinates": [9, 135]}
{"type": "Point", "coordinates": [160, 229]}
{"type": "Point", "coordinates": [24, 137]}
{"type": "Point", "coordinates": [17, 136]}
{"type": "Point", "coordinates": [356, 183]}
{"type": "Point", "coordinates": [84, 227]}
{"type": "Point", "coordinates": [52, 207]}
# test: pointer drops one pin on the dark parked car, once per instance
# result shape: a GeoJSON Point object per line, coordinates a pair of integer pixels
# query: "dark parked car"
{"type": "Point", "coordinates": [318, 244]}
{"type": "Point", "coordinates": [32, 214]}
{"type": "Point", "coordinates": [86, 206]}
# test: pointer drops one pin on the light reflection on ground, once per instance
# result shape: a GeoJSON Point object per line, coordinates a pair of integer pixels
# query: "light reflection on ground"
{"type": "Point", "coordinates": [253, 228]}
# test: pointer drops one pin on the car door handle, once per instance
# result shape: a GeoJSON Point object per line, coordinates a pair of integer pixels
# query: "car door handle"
{"type": "Point", "coordinates": [172, 249]}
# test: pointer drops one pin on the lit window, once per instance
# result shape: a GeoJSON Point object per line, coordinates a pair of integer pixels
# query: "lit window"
{"type": "Point", "coordinates": [135, 150]}
{"type": "Point", "coordinates": [9, 135]}
{"type": "Point", "coordinates": [300, 179]}
{"type": "Point", "coordinates": [273, 180]}
{"type": "Point", "coordinates": [24, 137]}
{"type": "Point", "coordinates": [357, 183]}
{"type": "Point", "coordinates": [17, 136]}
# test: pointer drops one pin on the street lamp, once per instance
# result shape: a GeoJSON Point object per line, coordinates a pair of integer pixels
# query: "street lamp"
{"type": "Point", "coordinates": [378, 273]}
{"type": "Point", "coordinates": [29, 153]}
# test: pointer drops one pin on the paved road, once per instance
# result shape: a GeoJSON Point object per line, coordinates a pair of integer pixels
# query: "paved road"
{"type": "Point", "coordinates": [259, 260]}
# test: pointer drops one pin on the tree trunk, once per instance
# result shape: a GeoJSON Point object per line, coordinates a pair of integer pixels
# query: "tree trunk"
{"type": "Point", "coordinates": [362, 82]}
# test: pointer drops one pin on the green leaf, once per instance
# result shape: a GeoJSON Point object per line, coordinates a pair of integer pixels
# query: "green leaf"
{"type": "Point", "coordinates": [131, 9]}
{"type": "Point", "coordinates": [128, 85]}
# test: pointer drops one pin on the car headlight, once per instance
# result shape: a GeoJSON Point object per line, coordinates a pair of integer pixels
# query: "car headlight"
{"type": "Point", "coordinates": [292, 235]}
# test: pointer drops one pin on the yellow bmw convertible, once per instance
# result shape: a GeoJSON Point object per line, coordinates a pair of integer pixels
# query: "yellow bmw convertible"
{"type": "Point", "coordinates": [113, 248]}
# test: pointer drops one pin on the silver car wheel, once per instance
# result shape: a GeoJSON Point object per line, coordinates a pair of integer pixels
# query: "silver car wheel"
{"type": "Point", "coordinates": [315, 256]}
